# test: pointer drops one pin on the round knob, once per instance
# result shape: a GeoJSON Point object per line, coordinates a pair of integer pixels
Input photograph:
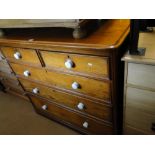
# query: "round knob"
{"type": "Point", "coordinates": [17, 55]}
{"type": "Point", "coordinates": [35, 90]}
{"type": "Point", "coordinates": [81, 106]}
{"type": "Point", "coordinates": [85, 124]}
{"type": "Point", "coordinates": [44, 107]}
{"type": "Point", "coordinates": [75, 85]}
{"type": "Point", "coordinates": [26, 73]}
{"type": "Point", "coordinates": [69, 64]}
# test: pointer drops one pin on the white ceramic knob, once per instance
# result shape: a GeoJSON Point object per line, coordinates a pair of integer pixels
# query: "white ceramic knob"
{"type": "Point", "coordinates": [26, 73]}
{"type": "Point", "coordinates": [44, 107]}
{"type": "Point", "coordinates": [17, 55]}
{"type": "Point", "coordinates": [81, 106]}
{"type": "Point", "coordinates": [85, 124]}
{"type": "Point", "coordinates": [35, 90]}
{"type": "Point", "coordinates": [75, 85]}
{"type": "Point", "coordinates": [69, 64]}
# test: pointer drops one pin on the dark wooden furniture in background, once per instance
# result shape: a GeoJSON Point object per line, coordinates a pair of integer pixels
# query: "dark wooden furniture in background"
{"type": "Point", "coordinates": [76, 82]}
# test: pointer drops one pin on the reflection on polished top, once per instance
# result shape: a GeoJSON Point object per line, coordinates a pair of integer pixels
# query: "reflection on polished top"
{"type": "Point", "coordinates": [109, 35]}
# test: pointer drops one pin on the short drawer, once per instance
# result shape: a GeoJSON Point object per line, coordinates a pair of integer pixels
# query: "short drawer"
{"type": "Point", "coordinates": [21, 55]}
{"type": "Point", "coordinates": [75, 102]}
{"type": "Point", "coordinates": [141, 75]}
{"type": "Point", "coordinates": [70, 117]}
{"type": "Point", "coordinates": [93, 65]}
{"type": "Point", "coordinates": [29, 72]}
{"type": "Point", "coordinates": [94, 88]}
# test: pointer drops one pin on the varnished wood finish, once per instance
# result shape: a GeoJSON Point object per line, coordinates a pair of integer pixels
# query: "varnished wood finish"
{"type": "Point", "coordinates": [91, 87]}
{"type": "Point", "coordinates": [8, 78]}
{"type": "Point", "coordinates": [109, 36]}
{"type": "Point", "coordinates": [65, 81]}
{"type": "Point", "coordinates": [72, 117]}
{"type": "Point", "coordinates": [27, 55]}
{"type": "Point", "coordinates": [93, 108]}
{"type": "Point", "coordinates": [100, 85]}
{"type": "Point", "coordinates": [81, 63]}
{"type": "Point", "coordinates": [35, 73]}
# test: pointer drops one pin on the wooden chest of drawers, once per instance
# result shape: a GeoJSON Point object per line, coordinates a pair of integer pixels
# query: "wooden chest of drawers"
{"type": "Point", "coordinates": [76, 82]}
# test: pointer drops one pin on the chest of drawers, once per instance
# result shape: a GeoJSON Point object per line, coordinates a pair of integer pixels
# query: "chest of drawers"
{"type": "Point", "coordinates": [75, 82]}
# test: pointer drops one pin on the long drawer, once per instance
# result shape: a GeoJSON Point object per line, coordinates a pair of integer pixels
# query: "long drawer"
{"type": "Point", "coordinates": [93, 65]}
{"type": "Point", "coordinates": [91, 87]}
{"type": "Point", "coordinates": [21, 55]}
{"type": "Point", "coordinates": [75, 102]}
{"type": "Point", "coordinates": [79, 121]}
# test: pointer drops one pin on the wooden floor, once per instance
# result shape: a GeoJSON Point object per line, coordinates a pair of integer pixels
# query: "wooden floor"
{"type": "Point", "coordinates": [17, 117]}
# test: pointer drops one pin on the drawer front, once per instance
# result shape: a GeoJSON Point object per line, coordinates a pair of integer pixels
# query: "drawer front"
{"type": "Point", "coordinates": [140, 109]}
{"type": "Point", "coordinates": [87, 124]}
{"type": "Point", "coordinates": [141, 75]}
{"type": "Point", "coordinates": [81, 104]}
{"type": "Point", "coordinates": [34, 73]}
{"type": "Point", "coordinates": [21, 55]}
{"type": "Point", "coordinates": [91, 87]}
{"type": "Point", "coordinates": [97, 66]}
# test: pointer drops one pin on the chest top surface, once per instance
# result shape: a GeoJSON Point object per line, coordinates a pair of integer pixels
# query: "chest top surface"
{"type": "Point", "coordinates": [110, 34]}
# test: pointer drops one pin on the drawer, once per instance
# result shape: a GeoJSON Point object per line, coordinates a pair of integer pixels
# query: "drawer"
{"type": "Point", "coordinates": [141, 75]}
{"type": "Point", "coordinates": [75, 102]}
{"type": "Point", "coordinates": [29, 72]}
{"type": "Point", "coordinates": [21, 55]}
{"type": "Point", "coordinates": [65, 115]}
{"type": "Point", "coordinates": [140, 109]}
{"type": "Point", "coordinates": [91, 87]}
{"type": "Point", "coordinates": [75, 83]}
{"type": "Point", "coordinates": [93, 65]}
